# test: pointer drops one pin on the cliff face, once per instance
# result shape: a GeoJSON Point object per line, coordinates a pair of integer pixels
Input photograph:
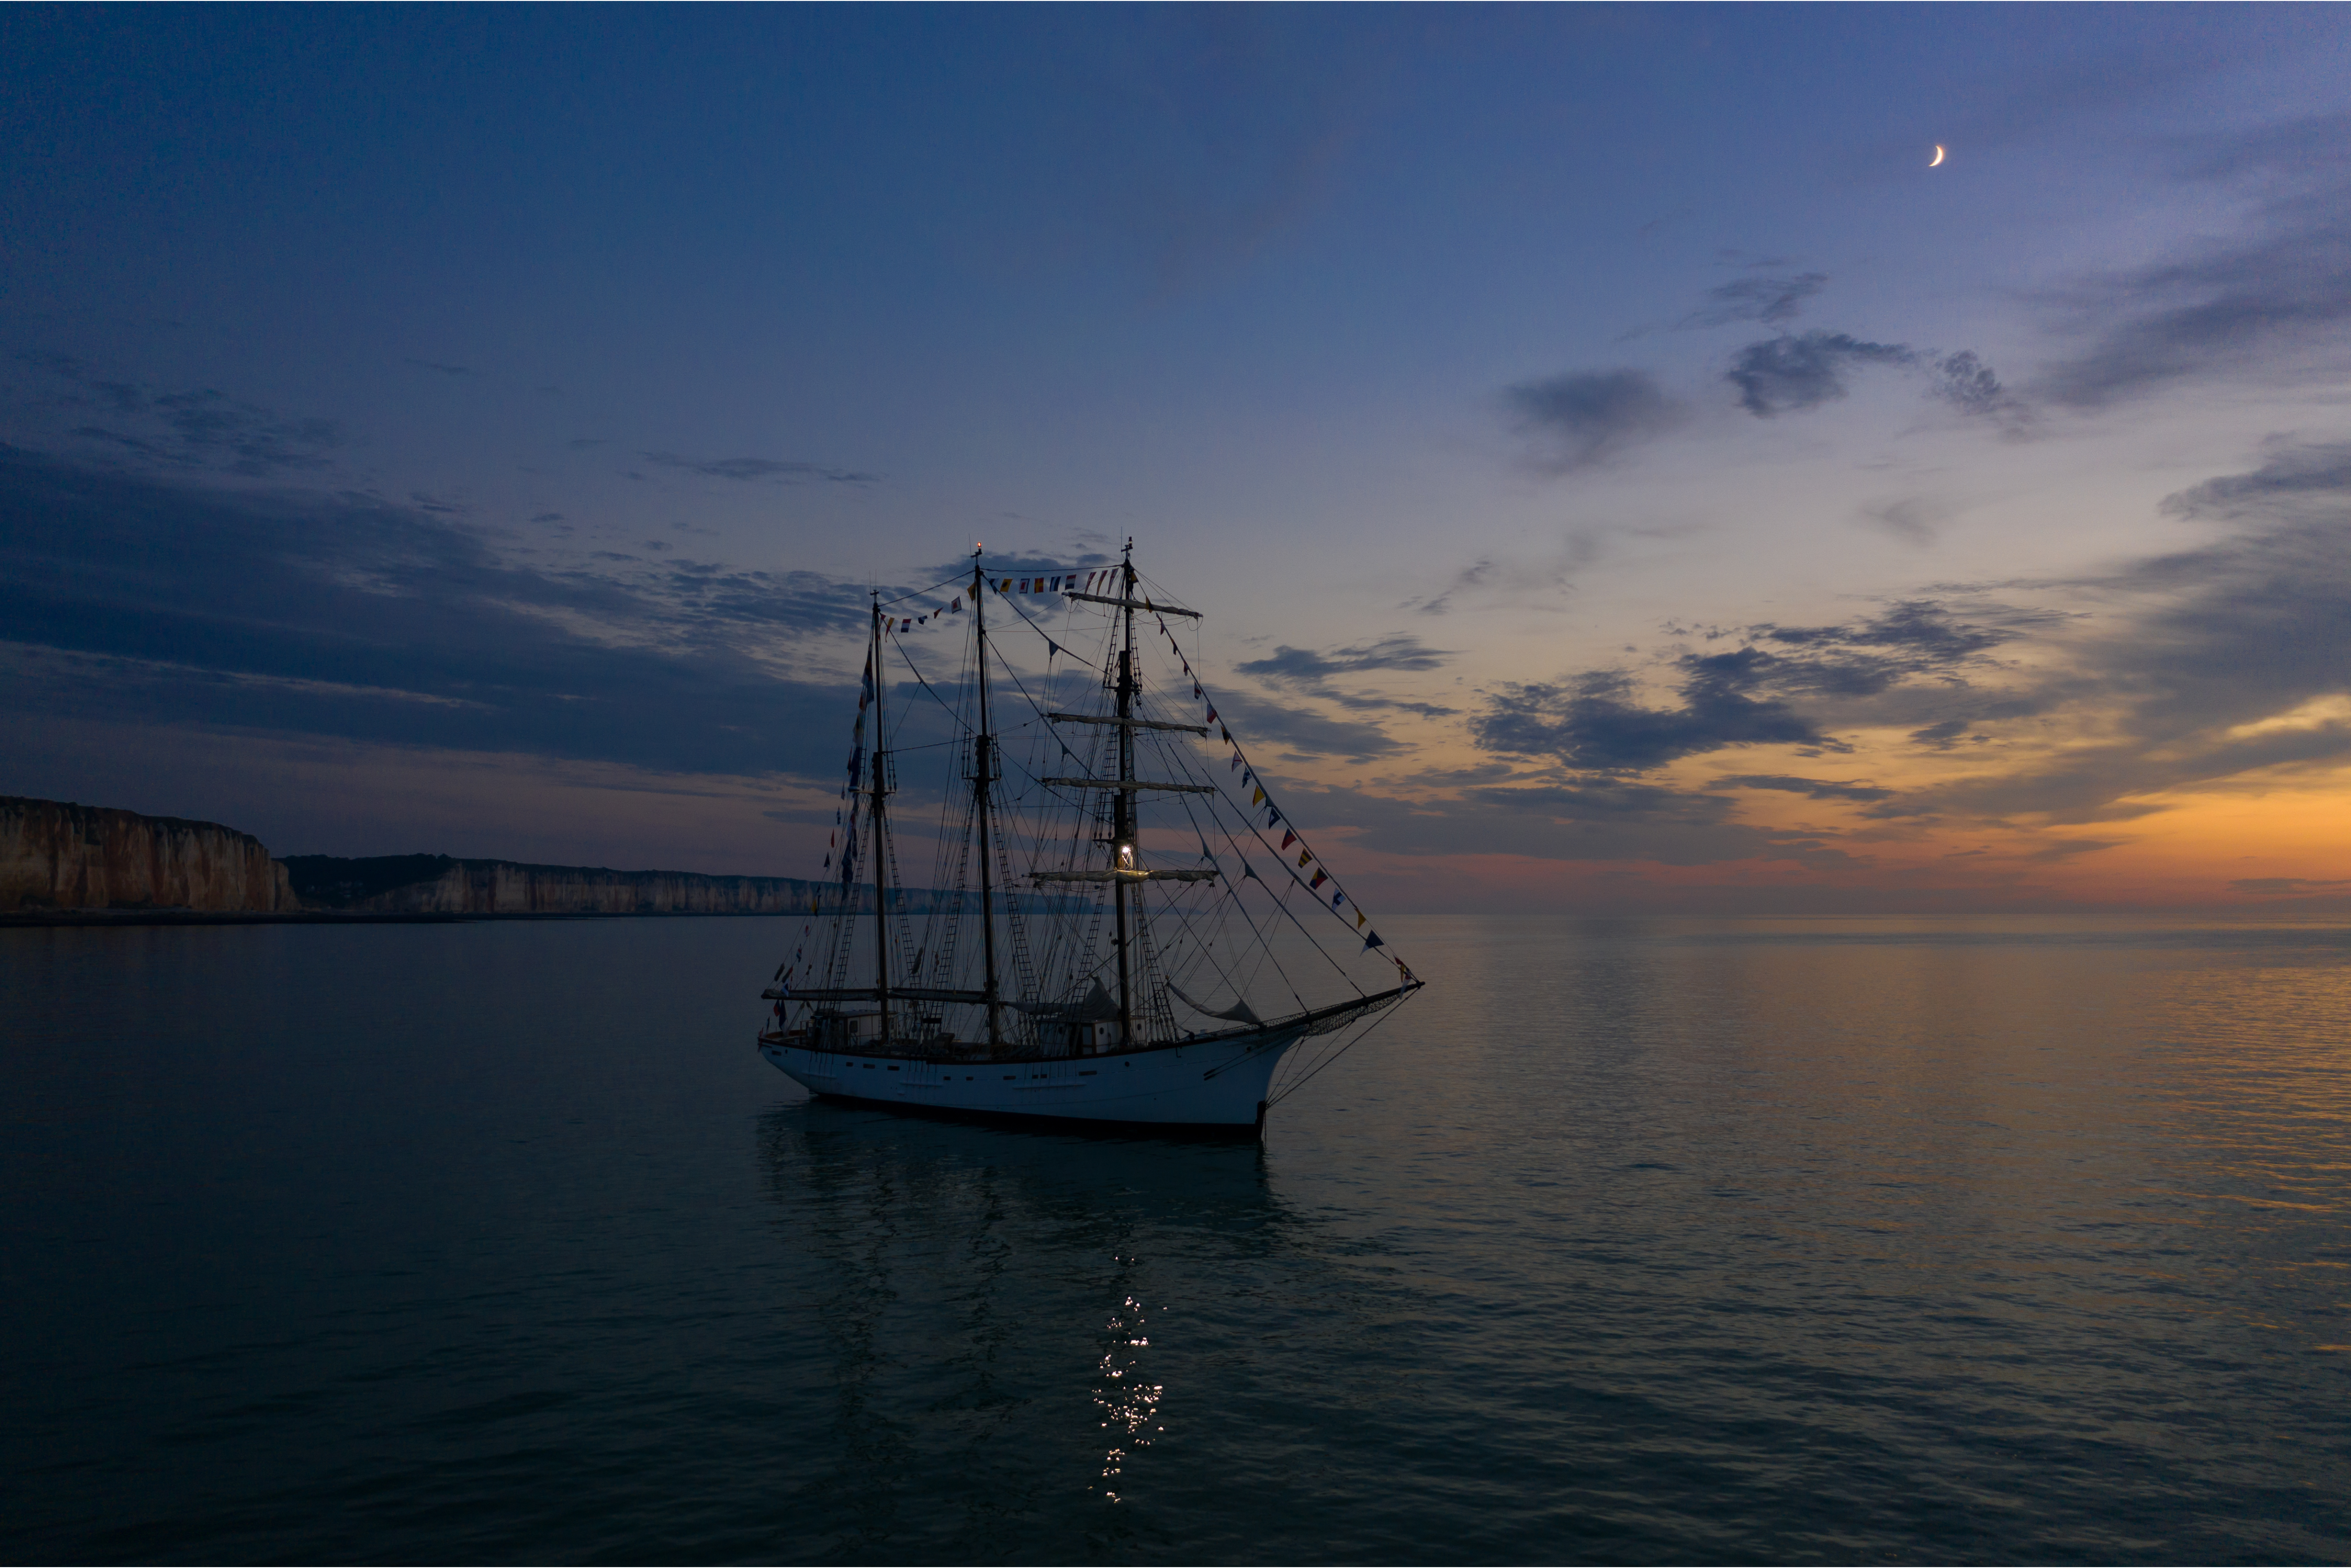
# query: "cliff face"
{"type": "Point", "coordinates": [436, 884]}
{"type": "Point", "coordinates": [57, 855]}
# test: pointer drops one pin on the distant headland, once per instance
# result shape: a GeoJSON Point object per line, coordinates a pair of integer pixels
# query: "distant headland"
{"type": "Point", "coordinates": [62, 864]}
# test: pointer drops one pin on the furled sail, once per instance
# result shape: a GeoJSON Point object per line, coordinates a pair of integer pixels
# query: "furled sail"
{"type": "Point", "coordinates": [1240, 1012]}
{"type": "Point", "coordinates": [1097, 1005]}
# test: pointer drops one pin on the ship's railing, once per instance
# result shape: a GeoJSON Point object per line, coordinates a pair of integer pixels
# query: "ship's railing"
{"type": "Point", "coordinates": [1299, 1026]}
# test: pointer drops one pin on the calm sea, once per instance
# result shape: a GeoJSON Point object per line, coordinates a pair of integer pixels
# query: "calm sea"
{"type": "Point", "coordinates": [1978, 1241]}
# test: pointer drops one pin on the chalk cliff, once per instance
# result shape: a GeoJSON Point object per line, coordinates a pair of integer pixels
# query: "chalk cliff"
{"type": "Point", "coordinates": [438, 884]}
{"type": "Point", "coordinates": [57, 855]}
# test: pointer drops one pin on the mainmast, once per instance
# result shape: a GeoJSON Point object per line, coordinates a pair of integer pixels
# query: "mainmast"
{"type": "Point", "coordinates": [1122, 807]}
{"type": "Point", "coordinates": [983, 766]}
{"type": "Point", "coordinates": [881, 841]}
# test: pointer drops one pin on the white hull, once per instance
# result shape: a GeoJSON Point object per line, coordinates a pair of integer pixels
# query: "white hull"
{"type": "Point", "coordinates": [1211, 1083]}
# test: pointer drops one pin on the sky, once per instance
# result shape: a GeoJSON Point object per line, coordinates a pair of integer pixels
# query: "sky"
{"type": "Point", "coordinates": [1621, 472]}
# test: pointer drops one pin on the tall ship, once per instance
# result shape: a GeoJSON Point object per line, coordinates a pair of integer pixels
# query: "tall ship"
{"type": "Point", "coordinates": [1120, 923]}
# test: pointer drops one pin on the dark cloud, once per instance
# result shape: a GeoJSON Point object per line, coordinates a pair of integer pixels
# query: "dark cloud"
{"type": "Point", "coordinates": [1968, 384]}
{"type": "Point", "coordinates": [441, 369]}
{"type": "Point", "coordinates": [1310, 672]}
{"type": "Point", "coordinates": [2066, 849]}
{"type": "Point", "coordinates": [253, 441]}
{"type": "Point", "coordinates": [2301, 483]}
{"type": "Point", "coordinates": [1393, 653]}
{"type": "Point", "coordinates": [2223, 666]}
{"type": "Point", "coordinates": [1795, 371]}
{"type": "Point", "coordinates": [1909, 637]}
{"type": "Point", "coordinates": [1770, 300]}
{"type": "Point", "coordinates": [2238, 306]}
{"type": "Point", "coordinates": [1588, 417]}
{"type": "Point", "coordinates": [204, 428]}
{"type": "Point", "coordinates": [1757, 694]}
{"type": "Point", "coordinates": [133, 600]}
{"type": "Point", "coordinates": [1601, 821]}
{"type": "Point", "coordinates": [1605, 799]}
{"type": "Point", "coordinates": [1300, 732]}
{"type": "Point", "coordinates": [547, 517]}
{"type": "Point", "coordinates": [2225, 313]}
{"type": "Point", "coordinates": [1810, 789]}
{"type": "Point", "coordinates": [1941, 736]}
{"type": "Point", "coordinates": [742, 469]}
{"type": "Point", "coordinates": [2206, 665]}
{"type": "Point", "coordinates": [1593, 722]}
{"type": "Point", "coordinates": [2272, 886]}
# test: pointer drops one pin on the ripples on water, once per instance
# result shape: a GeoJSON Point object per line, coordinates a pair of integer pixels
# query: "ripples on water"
{"type": "Point", "coordinates": [1764, 1240]}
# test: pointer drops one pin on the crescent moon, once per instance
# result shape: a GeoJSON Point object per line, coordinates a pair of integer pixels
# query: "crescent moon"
{"type": "Point", "coordinates": [1937, 159]}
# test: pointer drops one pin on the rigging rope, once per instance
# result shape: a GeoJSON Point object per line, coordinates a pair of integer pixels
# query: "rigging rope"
{"type": "Point", "coordinates": [1058, 949]}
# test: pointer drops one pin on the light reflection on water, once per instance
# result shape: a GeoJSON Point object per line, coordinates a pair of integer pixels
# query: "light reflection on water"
{"type": "Point", "coordinates": [1641, 1240]}
{"type": "Point", "coordinates": [1129, 1401]}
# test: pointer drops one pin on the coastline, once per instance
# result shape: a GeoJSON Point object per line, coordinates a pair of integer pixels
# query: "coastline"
{"type": "Point", "coordinates": [109, 917]}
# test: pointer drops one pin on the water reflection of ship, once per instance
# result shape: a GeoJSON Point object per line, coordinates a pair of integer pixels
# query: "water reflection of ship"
{"type": "Point", "coordinates": [977, 1262]}
{"type": "Point", "coordinates": [1134, 982]}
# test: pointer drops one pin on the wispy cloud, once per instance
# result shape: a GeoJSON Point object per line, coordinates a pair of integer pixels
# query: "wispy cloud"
{"type": "Point", "coordinates": [1585, 418]}
{"type": "Point", "coordinates": [1783, 374]}
{"type": "Point", "coordinates": [1810, 789]}
{"type": "Point", "coordinates": [1908, 518]}
{"type": "Point", "coordinates": [2197, 670]}
{"type": "Point", "coordinates": [1943, 734]}
{"type": "Point", "coordinates": [1300, 732]}
{"type": "Point", "coordinates": [1596, 722]}
{"type": "Point", "coordinates": [1795, 372]}
{"type": "Point", "coordinates": [1599, 820]}
{"type": "Point", "coordinates": [202, 428]}
{"type": "Point", "coordinates": [2211, 664]}
{"type": "Point", "coordinates": [2275, 294]}
{"type": "Point", "coordinates": [745, 469]}
{"type": "Point", "coordinates": [1770, 300]}
{"type": "Point", "coordinates": [2272, 886]}
{"type": "Point", "coordinates": [1400, 652]}
{"type": "Point", "coordinates": [1780, 688]}
{"type": "Point", "coordinates": [1540, 579]}
{"type": "Point", "coordinates": [346, 615]}
{"type": "Point", "coordinates": [1310, 672]}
